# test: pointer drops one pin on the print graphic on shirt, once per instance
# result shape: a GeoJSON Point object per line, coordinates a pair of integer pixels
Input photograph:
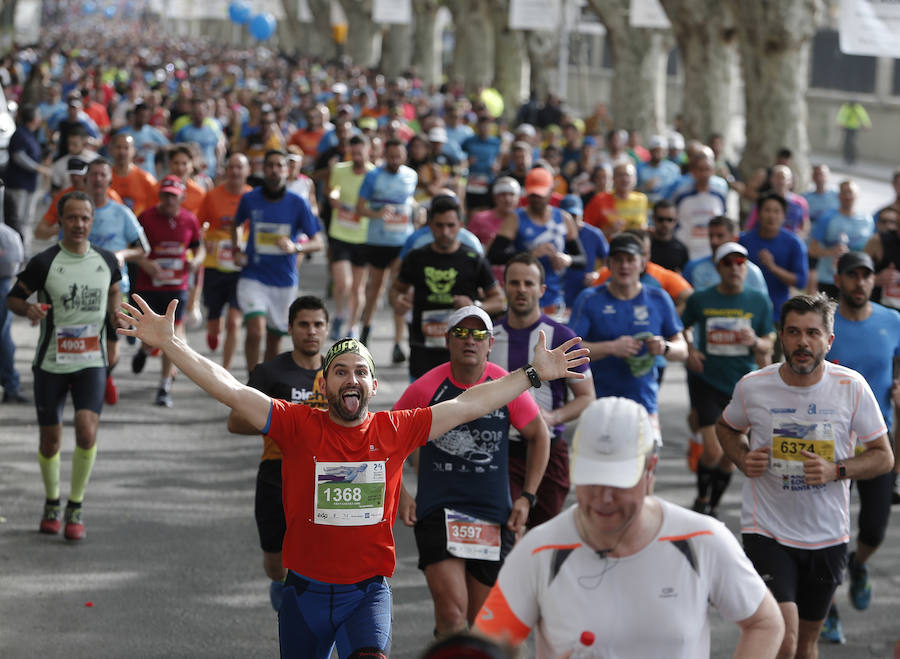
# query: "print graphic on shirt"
{"type": "Point", "coordinates": [440, 284]}
{"type": "Point", "coordinates": [82, 297]}
{"type": "Point", "coordinates": [471, 444]}
{"type": "Point", "coordinates": [268, 233]}
{"type": "Point", "coordinates": [314, 397]}
{"type": "Point", "coordinates": [791, 436]}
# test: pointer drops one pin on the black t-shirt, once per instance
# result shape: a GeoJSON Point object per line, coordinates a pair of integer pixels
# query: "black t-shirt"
{"type": "Point", "coordinates": [671, 254]}
{"type": "Point", "coordinates": [281, 377]}
{"type": "Point", "coordinates": [437, 278]}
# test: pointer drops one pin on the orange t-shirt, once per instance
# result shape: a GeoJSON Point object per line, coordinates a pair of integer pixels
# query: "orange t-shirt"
{"type": "Point", "coordinates": [137, 189]}
{"type": "Point", "coordinates": [193, 196]}
{"type": "Point", "coordinates": [218, 208]}
{"type": "Point", "coordinates": [669, 280]}
{"type": "Point", "coordinates": [52, 216]}
{"type": "Point", "coordinates": [308, 140]}
{"type": "Point", "coordinates": [318, 453]}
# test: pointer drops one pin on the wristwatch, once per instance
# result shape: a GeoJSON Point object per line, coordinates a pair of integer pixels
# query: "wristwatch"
{"type": "Point", "coordinates": [530, 498]}
{"type": "Point", "coordinates": [533, 376]}
{"type": "Point", "coordinates": [841, 471]}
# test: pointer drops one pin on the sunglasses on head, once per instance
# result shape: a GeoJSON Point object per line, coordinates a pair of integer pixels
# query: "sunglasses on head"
{"type": "Point", "coordinates": [734, 260]}
{"type": "Point", "coordinates": [464, 332]}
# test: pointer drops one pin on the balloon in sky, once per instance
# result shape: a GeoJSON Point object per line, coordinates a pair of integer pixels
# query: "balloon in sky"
{"type": "Point", "coordinates": [240, 12]}
{"type": "Point", "coordinates": [262, 26]}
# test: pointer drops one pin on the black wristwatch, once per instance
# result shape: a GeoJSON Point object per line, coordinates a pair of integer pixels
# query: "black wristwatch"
{"type": "Point", "coordinates": [530, 498]}
{"type": "Point", "coordinates": [533, 376]}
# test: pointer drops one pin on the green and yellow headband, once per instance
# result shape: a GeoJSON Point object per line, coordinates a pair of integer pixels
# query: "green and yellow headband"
{"type": "Point", "coordinates": [344, 346]}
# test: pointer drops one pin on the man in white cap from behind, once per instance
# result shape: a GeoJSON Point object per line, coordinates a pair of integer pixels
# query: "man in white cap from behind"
{"type": "Point", "coordinates": [621, 554]}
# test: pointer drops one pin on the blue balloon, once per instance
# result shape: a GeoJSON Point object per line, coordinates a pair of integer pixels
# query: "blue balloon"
{"type": "Point", "coordinates": [262, 26]}
{"type": "Point", "coordinates": [109, 12]}
{"type": "Point", "coordinates": [89, 7]}
{"type": "Point", "coordinates": [240, 12]}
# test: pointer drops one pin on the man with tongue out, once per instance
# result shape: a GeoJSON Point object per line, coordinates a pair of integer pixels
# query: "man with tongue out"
{"type": "Point", "coordinates": [341, 471]}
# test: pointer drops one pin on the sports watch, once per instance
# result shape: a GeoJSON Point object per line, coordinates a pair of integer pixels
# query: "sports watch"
{"type": "Point", "coordinates": [533, 376]}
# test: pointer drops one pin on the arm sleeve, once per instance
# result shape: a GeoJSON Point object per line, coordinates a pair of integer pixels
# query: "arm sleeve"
{"type": "Point", "coordinates": [575, 249]}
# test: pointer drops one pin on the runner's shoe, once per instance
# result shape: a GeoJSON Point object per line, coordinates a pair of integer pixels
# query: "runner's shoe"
{"type": "Point", "coordinates": [163, 398]}
{"type": "Point", "coordinates": [860, 588]}
{"type": "Point", "coordinates": [397, 357]}
{"type": "Point", "coordinates": [831, 630]}
{"type": "Point", "coordinates": [138, 361]}
{"type": "Point", "coordinates": [51, 522]}
{"type": "Point", "coordinates": [112, 391]}
{"type": "Point", "coordinates": [212, 340]}
{"type": "Point", "coordinates": [74, 524]}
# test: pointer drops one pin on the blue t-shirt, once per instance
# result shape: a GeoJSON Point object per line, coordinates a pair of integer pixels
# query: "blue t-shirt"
{"type": "Point", "coordinates": [595, 247]}
{"type": "Point", "coordinates": [702, 273]}
{"type": "Point", "coordinates": [423, 236]}
{"type": "Point", "coordinates": [269, 219]}
{"type": "Point", "coordinates": [819, 204]}
{"type": "Point", "coordinates": [865, 346]}
{"type": "Point", "coordinates": [146, 141]}
{"type": "Point", "coordinates": [115, 227]}
{"type": "Point", "coordinates": [665, 173]}
{"type": "Point", "coordinates": [206, 137]}
{"type": "Point", "coordinates": [483, 153]}
{"type": "Point", "coordinates": [789, 253]}
{"type": "Point", "coordinates": [381, 188]}
{"type": "Point", "coordinates": [17, 177]}
{"type": "Point", "coordinates": [598, 315]}
{"type": "Point", "coordinates": [835, 226]}
{"type": "Point", "coordinates": [530, 235]}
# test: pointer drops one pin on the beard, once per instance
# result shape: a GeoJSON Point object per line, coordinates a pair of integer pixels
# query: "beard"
{"type": "Point", "coordinates": [804, 369]}
{"type": "Point", "coordinates": [348, 411]}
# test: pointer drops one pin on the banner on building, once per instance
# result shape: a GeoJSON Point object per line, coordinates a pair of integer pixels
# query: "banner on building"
{"type": "Point", "coordinates": [648, 13]}
{"type": "Point", "coordinates": [534, 14]}
{"type": "Point", "coordinates": [870, 27]}
{"type": "Point", "coordinates": [395, 12]}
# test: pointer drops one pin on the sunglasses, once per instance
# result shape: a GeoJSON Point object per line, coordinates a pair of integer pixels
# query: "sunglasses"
{"type": "Point", "coordinates": [734, 260]}
{"type": "Point", "coordinates": [464, 332]}
{"type": "Point", "coordinates": [665, 219]}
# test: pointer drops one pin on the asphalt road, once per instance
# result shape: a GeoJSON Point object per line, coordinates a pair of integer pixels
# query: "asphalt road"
{"type": "Point", "coordinates": [171, 566]}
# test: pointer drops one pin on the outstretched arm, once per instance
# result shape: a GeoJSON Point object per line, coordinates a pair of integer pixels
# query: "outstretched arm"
{"type": "Point", "coordinates": [488, 396]}
{"type": "Point", "coordinates": [159, 332]}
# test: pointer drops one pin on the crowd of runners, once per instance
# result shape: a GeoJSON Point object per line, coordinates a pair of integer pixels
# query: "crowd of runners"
{"type": "Point", "coordinates": [540, 271]}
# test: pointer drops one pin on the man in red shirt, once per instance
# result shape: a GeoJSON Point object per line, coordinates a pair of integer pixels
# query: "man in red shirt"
{"type": "Point", "coordinates": [163, 274]}
{"type": "Point", "coordinates": [342, 471]}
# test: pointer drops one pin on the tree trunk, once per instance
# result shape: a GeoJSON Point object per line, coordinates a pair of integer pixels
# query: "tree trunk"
{"type": "Point", "coordinates": [542, 48]}
{"type": "Point", "coordinates": [509, 57]}
{"type": "Point", "coordinates": [705, 32]}
{"type": "Point", "coordinates": [774, 40]}
{"type": "Point", "coordinates": [361, 32]}
{"type": "Point", "coordinates": [396, 49]}
{"type": "Point", "coordinates": [426, 41]}
{"type": "Point", "coordinates": [473, 52]}
{"type": "Point", "coordinates": [317, 39]}
{"type": "Point", "coordinates": [290, 28]}
{"type": "Point", "coordinates": [638, 89]}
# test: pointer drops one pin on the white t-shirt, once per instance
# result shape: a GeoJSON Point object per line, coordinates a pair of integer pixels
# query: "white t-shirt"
{"type": "Point", "coordinates": [651, 604]}
{"type": "Point", "coordinates": [828, 416]}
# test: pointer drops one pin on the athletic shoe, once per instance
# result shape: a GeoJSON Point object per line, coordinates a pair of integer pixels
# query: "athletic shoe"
{"type": "Point", "coordinates": [112, 391]}
{"type": "Point", "coordinates": [860, 588]}
{"type": "Point", "coordinates": [138, 361]}
{"type": "Point", "coordinates": [212, 340]}
{"type": "Point", "coordinates": [163, 398]}
{"type": "Point", "coordinates": [695, 450]}
{"type": "Point", "coordinates": [397, 357]}
{"type": "Point", "coordinates": [831, 630]}
{"type": "Point", "coordinates": [701, 507]}
{"type": "Point", "coordinates": [74, 524]}
{"type": "Point", "coordinates": [51, 522]}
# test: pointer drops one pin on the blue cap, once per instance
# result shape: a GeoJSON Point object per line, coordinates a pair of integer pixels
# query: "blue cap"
{"type": "Point", "coordinates": [572, 204]}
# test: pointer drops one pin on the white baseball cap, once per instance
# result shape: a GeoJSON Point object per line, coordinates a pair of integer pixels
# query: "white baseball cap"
{"type": "Point", "coordinates": [507, 184]}
{"type": "Point", "coordinates": [729, 248]}
{"type": "Point", "coordinates": [612, 442]}
{"type": "Point", "coordinates": [466, 312]}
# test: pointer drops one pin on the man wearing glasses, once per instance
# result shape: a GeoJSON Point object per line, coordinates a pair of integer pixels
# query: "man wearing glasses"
{"type": "Point", "coordinates": [465, 521]}
{"type": "Point", "coordinates": [665, 249]}
{"type": "Point", "coordinates": [734, 335]}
